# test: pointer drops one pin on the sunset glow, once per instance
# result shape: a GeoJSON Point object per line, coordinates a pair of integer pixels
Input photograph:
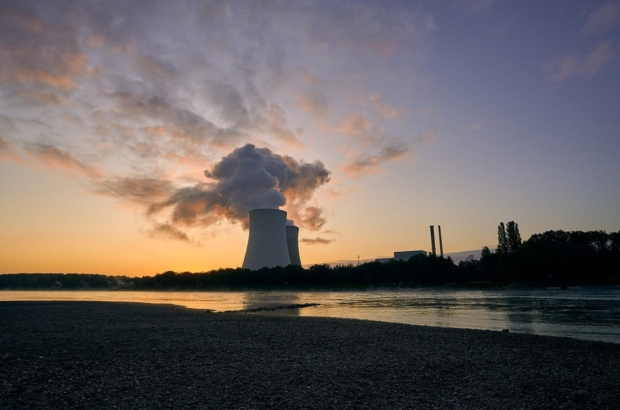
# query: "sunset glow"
{"type": "Point", "coordinates": [124, 127]}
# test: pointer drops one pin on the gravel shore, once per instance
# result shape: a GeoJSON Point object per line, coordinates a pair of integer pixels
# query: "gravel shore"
{"type": "Point", "coordinates": [123, 355]}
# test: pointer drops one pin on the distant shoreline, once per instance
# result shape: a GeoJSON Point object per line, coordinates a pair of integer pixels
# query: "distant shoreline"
{"type": "Point", "coordinates": [455, 286]}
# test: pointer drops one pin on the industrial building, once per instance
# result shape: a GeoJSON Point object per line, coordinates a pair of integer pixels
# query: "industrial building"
{"type": "Point", "coordinates": [274, 241]}
{"type": "Point", "coordinates": [271, 241]}
{"type": "Point", "coordinates": [405, 255]}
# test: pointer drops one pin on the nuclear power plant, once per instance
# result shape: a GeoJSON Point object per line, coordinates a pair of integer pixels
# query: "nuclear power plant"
{"type": "Point", "coordinates": [272, 242]}
{"type": "Point", "coordinates": [292, 243]}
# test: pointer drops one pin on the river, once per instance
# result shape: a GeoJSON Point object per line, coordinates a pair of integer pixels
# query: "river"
{"type": "Point", "coordinates": [588, 313]}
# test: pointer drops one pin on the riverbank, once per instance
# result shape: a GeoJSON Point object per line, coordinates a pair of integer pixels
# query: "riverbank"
{"type": "Point", "coordinates": [100, 355]}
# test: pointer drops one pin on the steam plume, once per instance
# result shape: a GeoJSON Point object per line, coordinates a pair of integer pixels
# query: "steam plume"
{"type": "Point", "coordinates": [246, 179]}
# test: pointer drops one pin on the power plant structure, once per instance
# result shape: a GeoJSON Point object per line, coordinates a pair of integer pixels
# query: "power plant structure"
{"type": "Point", "coordinates": [292, 243]}
{"type": "Point", "coordinates": [440, 242]}
{"type": "Point", "coordinates": [434, 250]}
{"type": "Point", "coordinates": [271, 241]}
{"type": "Point", "coordinates": [405, 255]}
{"type": "Point", "coordinates": [275, 242]}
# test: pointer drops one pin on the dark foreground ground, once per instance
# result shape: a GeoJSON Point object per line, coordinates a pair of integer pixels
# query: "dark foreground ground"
{"type": "Point", "coordinates": [104, 355]}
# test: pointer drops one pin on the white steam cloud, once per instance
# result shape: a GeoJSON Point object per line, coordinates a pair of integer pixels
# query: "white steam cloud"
{"type": "Point", "coordinates": [246, 179]}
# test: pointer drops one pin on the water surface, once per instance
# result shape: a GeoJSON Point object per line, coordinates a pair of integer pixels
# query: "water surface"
{"type": "Point", "coordinates": [591, 314]}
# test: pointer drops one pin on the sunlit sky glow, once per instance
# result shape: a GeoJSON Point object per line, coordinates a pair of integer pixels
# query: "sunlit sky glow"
{"type": "Point", "coordinates": [390, 116]}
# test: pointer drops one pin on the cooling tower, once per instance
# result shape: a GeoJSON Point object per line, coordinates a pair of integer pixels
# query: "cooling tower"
{"type": "Point", "coordinates": [292, 235]}
{"type": "Point", "coordinates": [267, 246]}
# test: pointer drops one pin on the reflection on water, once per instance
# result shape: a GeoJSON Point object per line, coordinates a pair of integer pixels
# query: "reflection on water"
{"type": "Point", "coordinates": [592, 314]}
{"type": "Point", "coordinates": [276, 303]}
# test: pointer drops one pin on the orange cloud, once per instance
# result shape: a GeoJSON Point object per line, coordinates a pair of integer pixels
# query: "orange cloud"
{"type": "Point", "coordinates": [354, 124]}
{"type": "Point", "coordinates": [39, 76]}
{"type": "Point", "coordinates": [7, 152]}
{"type": "Point", "coordinates": [313, 103]}
{"type": "Point", "coordinates": [316, 241]}
{"type": "Point", "coordinates": [169, 232]}
{"type": "Point", "coordinates": [384, 109]}
{"type": "Point", "coordinates": [58, 159]}
{"type": "Point", "coordinates": [139, 190]}
{"type": "Point", "coordinates": [365, 164]}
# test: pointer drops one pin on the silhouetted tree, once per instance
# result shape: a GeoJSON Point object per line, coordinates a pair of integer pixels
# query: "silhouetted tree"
{"type": "Point", "coordinates": [502, 239]}
{"type": "Point", "coordinates": [513, 237]}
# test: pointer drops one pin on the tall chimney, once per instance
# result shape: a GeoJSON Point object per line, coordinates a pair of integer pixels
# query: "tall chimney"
{"type": "Point", "coordinates": [440, 243]}
{"type": "Point", "coordinates": [434, 251]}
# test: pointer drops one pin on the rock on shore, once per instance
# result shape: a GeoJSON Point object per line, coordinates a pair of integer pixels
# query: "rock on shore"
{"type": "Point", "coordinates": [106, 355]}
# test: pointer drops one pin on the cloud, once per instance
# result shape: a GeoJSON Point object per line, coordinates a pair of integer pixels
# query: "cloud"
{"type": "Point", "coordinates": [354, 26]}
{"type": "Point", "coordinates": [228, 101]}
{"type": "Point", "coordinates": [121, 96]}
{"type": "Point", "coordinates": [316, 241]}
{"type": "Point", "coordinates": [245, 179]}
{"type": "Point", "coordinates": [427, 138]}
{"type": "Point", "coordinates": [169, 232]}
{"type": "Point", "coordinates": [601, 19]}
{"type": "Point", "coordinates": [275, 124]}
{"type": "Point", "coordinates": [357, 125]}
{"type": "Point", "coordinates": [578, 64]}
{"type": "Point", "coordinates": [602, 54]}
{"type": "Point", "coordinates": [139, 190]}
{"type": "Point", "coordinates": [366, 164]}
{"type": "Point", "coordinates": [384, 109]}
{"type": "Point", "coordinates": [368, 145]}
{"type": "Point", "coordinates": [36, 97]}
{"type": "Point", "coordinates": [7, 151]}
{"type": "Point", "coordinates": [56, 158]}
{"type": "Point", "coordinates": [180, 123]}
{"type": "Point", "coordinates": [310, 217]}
{"type": "Point", "coordinates": [476, 7]}
{"type": "Point", "coordinates": [314, 103]}
{"type": "Point", "coordinates": [40, 51]}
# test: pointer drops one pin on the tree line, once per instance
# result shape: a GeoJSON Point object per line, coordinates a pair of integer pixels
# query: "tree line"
{"type": "Point", "coordinates": [550, 258]}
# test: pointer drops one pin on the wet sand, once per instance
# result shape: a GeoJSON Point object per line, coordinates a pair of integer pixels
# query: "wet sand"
{"type": "Point", "coordinates": [106, 355]}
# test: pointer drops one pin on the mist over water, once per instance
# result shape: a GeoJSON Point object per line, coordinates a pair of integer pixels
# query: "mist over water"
{"type": "Point", "coordinates": [589, 314]}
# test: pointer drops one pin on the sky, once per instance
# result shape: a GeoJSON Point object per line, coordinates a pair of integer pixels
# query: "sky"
{"type": "Point", "coordinates": [136, 135]}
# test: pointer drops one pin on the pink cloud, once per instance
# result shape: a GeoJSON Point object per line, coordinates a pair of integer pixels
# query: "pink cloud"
{"type": "Point", "coordinates": [367, 164]}
{"type": "Point", "coordinates": [383, 108]}
{"type": "Point", "coordinates": [577, 64]}
{"type": "Point", "coordinates": [354, 124]}
{"type": "Point", "coordinates": [601, 19]}
{"type": "Point", "coordinates": [427, 138]}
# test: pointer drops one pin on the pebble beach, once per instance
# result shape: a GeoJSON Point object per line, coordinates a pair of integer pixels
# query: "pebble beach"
{"type": "Point", "coordinates": [138, 356]}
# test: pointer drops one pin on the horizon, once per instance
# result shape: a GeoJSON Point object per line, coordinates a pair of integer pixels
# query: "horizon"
{"type": "Point", "coordinates": [137, 135]}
